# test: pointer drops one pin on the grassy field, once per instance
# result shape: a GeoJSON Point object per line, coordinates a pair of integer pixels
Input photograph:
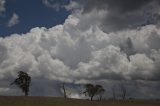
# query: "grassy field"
{"type": "Point", "coordinates": [49, 101]}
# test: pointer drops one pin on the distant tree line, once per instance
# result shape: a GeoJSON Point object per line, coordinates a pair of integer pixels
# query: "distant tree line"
{"type": "Point", "coordinates": [23, 81]}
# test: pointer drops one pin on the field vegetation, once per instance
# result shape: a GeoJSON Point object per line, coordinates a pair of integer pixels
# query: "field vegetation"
{"type": "Point", "coordinates": [51, 101]}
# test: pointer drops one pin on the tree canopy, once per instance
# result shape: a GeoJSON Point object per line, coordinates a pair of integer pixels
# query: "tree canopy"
{"type": "Point", "coordinates": [23, 82]}
{"type": "Point", "coordinates": [92, 90]}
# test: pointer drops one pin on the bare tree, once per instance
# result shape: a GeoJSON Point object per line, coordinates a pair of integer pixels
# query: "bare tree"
{"type": "Point", "coordinates": [123, 91]}
{"type": "Point", "coordinates": [64, 90]}
{"type": "Point", "coordinates": [101, 92]}
{"type": "Point", "coordinates": [114, 92]}
{"type": "Point", "coordinates": [23, 82]}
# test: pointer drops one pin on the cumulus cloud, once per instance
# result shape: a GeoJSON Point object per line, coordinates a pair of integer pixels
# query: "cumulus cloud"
{"type": "Point", "coordinates": [124, 14]}
{"type": "Point", "coordinates": [121, 5]}
{"type": "Point", "coordinates": [48, 4]}
{"type": "Point", "coordinates": [80, 51]}
{"type": "Point", "coordinates": [57, 4]}
{"type": "Point", "coordinates": [69, 5]}
{"type": "Point", "coordinates": [73, 5]}
{"type": "Point", "coordinates": [2, 6]}
{"type": "Point", "coordinates": [13, 20]}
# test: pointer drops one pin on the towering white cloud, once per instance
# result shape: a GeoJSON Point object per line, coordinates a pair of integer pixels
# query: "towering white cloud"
{"type": "Point", "coordinates": [79, 51]}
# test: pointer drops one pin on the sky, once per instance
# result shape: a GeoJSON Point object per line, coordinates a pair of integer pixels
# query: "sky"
{"type": "Point", "coordinates": [20, 16]}
{"type": "Point", "coordinates": [113, 43]}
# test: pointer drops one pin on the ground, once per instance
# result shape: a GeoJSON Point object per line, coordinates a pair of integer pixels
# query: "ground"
{"type": "Point", "coordinates": [50, 101]}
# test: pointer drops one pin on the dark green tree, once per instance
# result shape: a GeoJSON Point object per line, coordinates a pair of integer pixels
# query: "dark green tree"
{"type": "Point", "coordinates": [92, 90]}
{"type": "Point", "coordinates": [23, 82]}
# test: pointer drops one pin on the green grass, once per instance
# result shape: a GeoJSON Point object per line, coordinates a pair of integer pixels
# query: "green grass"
{"type": "Point", "coordinates": [50, 101]}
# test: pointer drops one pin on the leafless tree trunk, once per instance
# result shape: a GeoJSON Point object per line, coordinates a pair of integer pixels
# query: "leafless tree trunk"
{"type": "Point", "coordinates": [100, 97]}
{"type": "Point", "coordinates": [64, 90]}
{"type": "Point", "coordinates": [26, 93]}
{"type": "Point", "coordinates": [124, 91]}
{"type": "Point", "coordinates": [114, 92]}
{"type": "Point", "coordinates": [92, 97]}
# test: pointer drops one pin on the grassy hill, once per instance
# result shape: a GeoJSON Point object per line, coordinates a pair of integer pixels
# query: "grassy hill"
{"type": "Point", "coordinates": [50, 101]}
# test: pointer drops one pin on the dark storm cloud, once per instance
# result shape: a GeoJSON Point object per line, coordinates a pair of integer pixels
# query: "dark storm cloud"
{"type": "Point", "coordinates": [124, 14]}
{"type": "Point", "coordinates": [120, 5]}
